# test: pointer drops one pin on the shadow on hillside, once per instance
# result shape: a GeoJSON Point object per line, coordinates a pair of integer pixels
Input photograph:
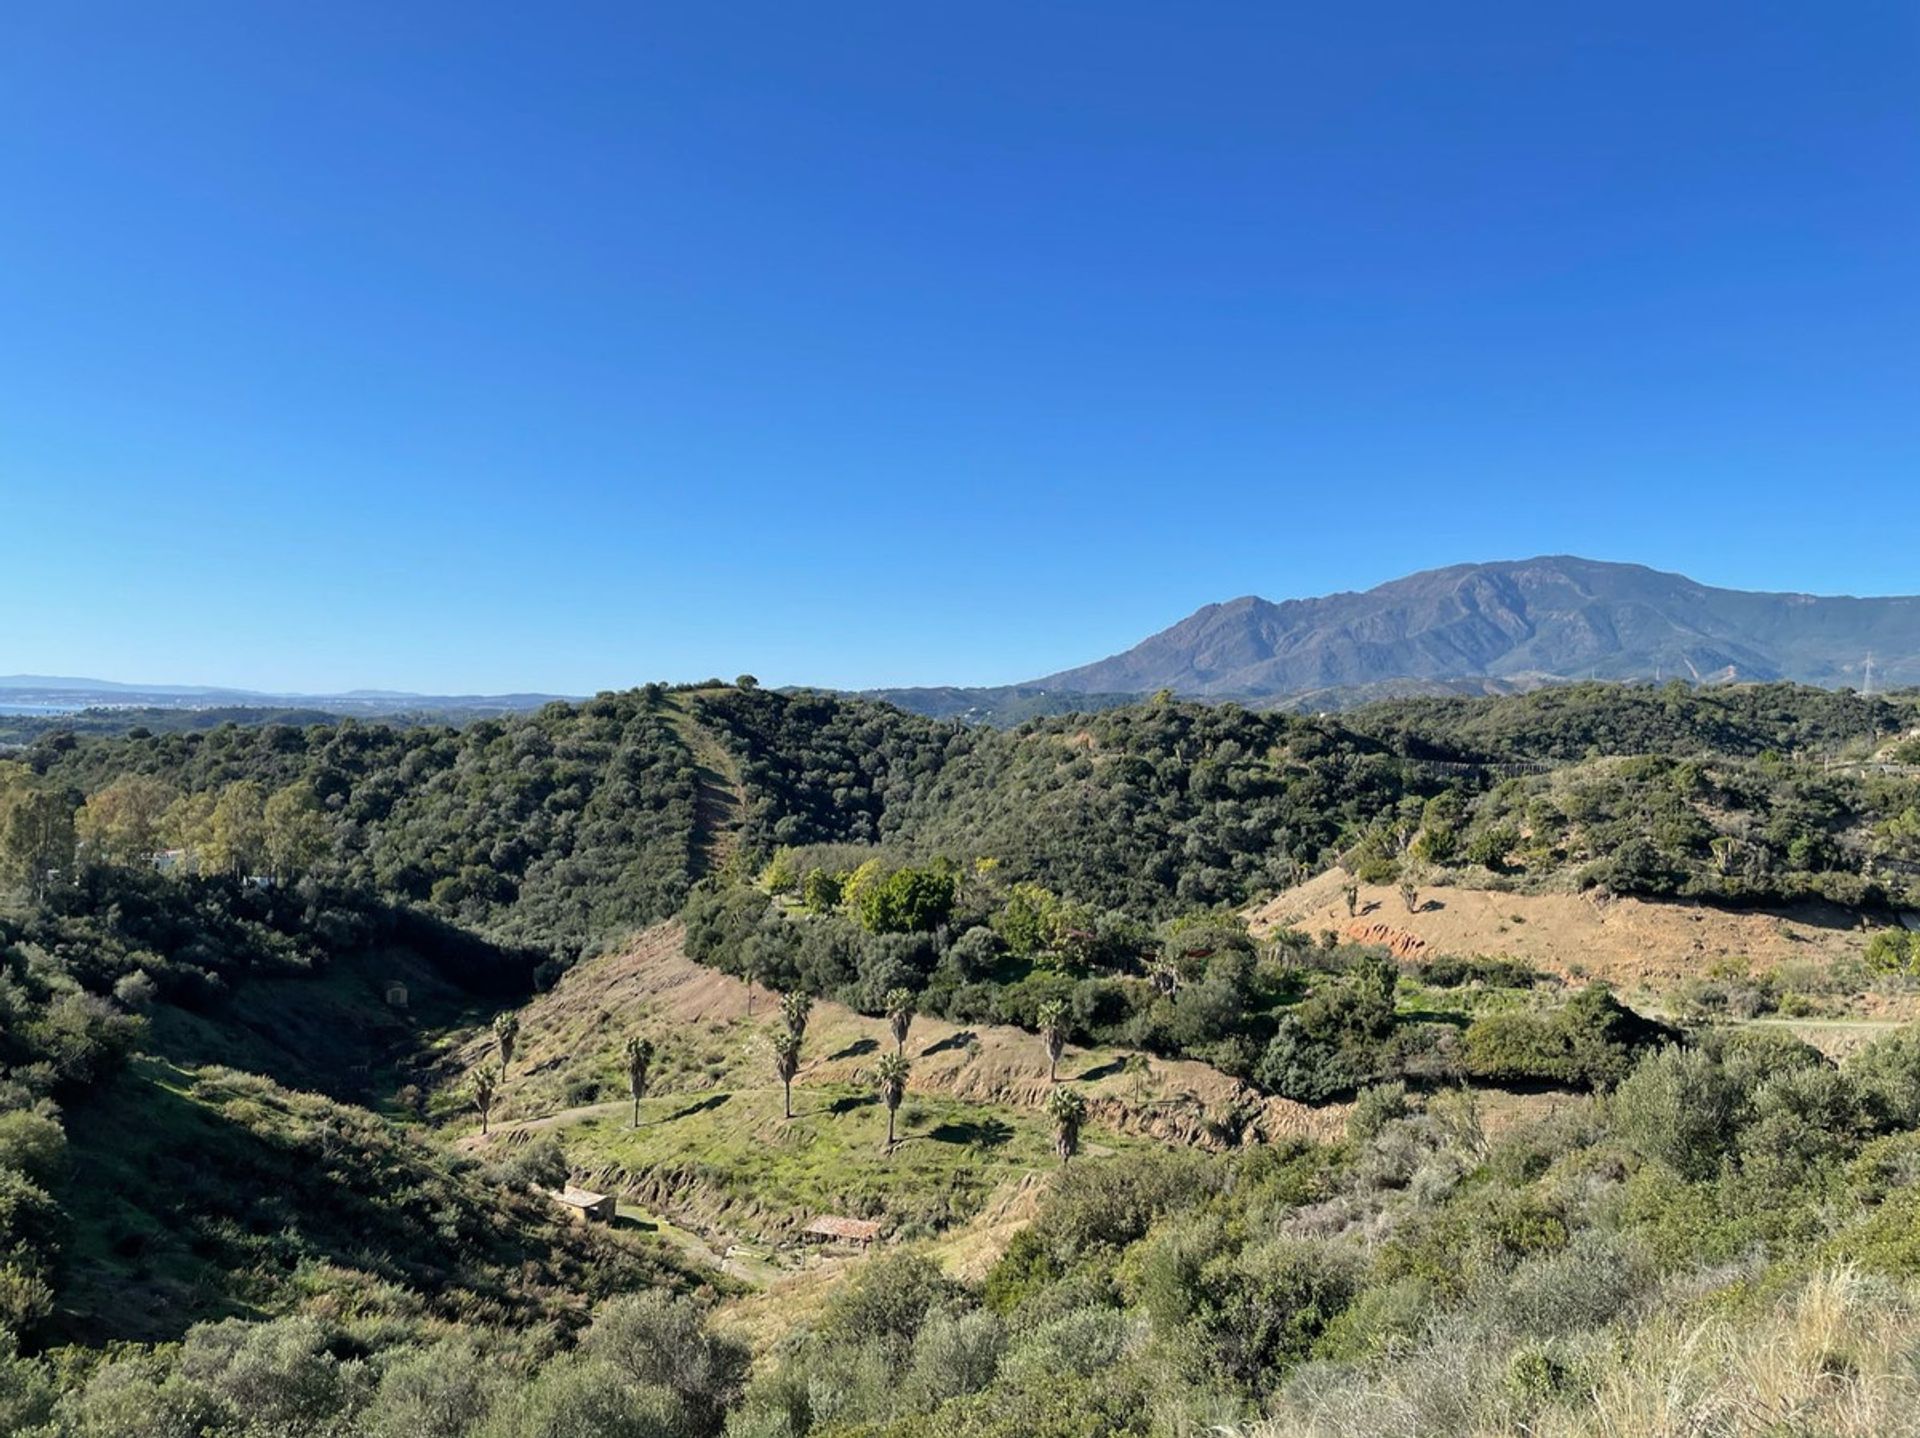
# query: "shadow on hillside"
{"type": "Point", "coordinates": [707, 1104]}
{"type": "Point", "coordinates": [847, 1103]}
{"type": "Point", "coordinates": [952, 1041]}
{"type": "Point", "coordinates": [978, 1133]}
{"type": "Point", "coordinates": [855, 1049]}
{"type": "Point", "coordinates": [190, 1189]}
{"type": "Point", "coordinates": [1100, 1071]}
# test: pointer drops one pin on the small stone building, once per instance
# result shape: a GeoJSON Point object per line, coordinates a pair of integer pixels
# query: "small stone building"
{"type": "Point", "coordinates": [587, 1206]}
{"type": "Point", "coordinates": [852, 1232]}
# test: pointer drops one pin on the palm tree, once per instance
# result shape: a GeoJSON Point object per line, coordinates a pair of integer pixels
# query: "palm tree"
{"type": "Point", "coordinates": [890, 1074]}
{"type": "Point", "coordinates": [1068, 1110]}
{"type": "Point", "coordinates": [639, 1060]}
{"type": "Point", "coordinates": [506, 1028]}
{"type": "Point", "coordinates": [794, 1008]}
{"type": "Point", "coordinates": [786, 1063]}
{"type": "Point", "coordinates": [900, 1016]}
{"type": "Point", "coordinates": [1053, 1033]}
{"type": "Point", "coordinates": [486, 1083]}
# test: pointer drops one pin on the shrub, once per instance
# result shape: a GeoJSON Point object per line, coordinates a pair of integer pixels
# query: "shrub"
{"type": "Point", "coordinates": [1681, 1107]}
{"type": "Point", "coordinates": [577, 1398]}
{"type": "Point", "coordinates": [1078, 1343]}
{"type": "Point", "coordinates": [821, 891]}
{"type": "Point", "coordinates": [658, 1339]}
{"type": "Point", "coordinates": [437, 1392]}
{"type": "Point", "coordinates": [1588, 1284]}
{"type": "Point", "coordinates": [280, 1375]}
{"type": "Point", "coordinates": [1894, 951]}
{"type": "Point", "coordinates": [888, 1300]}
{"type": "Point", "coordinates": [1026, 1267]}
{"type": "Point", "coordinates": [138, 1396]}
{"type": "Point", "coordinates": [32, 1143]}
{"type": "Point", "coordinates": [1800, 1116]}
{"type": "Point", "coordinates": [1588, 1041]}
{"type": "Point", "coordinates": [1886, 1075]}
{"type": "Point", "coordinates": [539, 1163]}
{"type": "Point", "coordinates": [1331, 1042]}
{"type": "Point", "coordinates": [955, 1354]}
{"type": "Point", "coordinates": [1248, 1313]}
{"type": "Point", "coordinates": [1374, 1108]}
{"type": "Point", "coordinates": [1451, 972]}
{"type": "Point", "coordinates": [1107, 1205]}
{"type": "Point", "coordinates": [1480, 1234]}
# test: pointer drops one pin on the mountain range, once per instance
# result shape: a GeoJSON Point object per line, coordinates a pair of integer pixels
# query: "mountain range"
{"type": "Point", "coordinates": [1516, 624]}
{"type": "Point", "coordinates": [1467, 629]}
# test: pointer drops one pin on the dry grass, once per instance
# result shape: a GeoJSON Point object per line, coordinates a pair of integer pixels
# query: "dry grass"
{"type": "Point", "coordinates": [1632, 943]}
{"type": "Point", "coordinates": [1840, 1358]}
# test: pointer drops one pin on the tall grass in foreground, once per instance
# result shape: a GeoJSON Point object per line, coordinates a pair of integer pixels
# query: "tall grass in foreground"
{"type": "Point", "coordinates": [1839, 1358]}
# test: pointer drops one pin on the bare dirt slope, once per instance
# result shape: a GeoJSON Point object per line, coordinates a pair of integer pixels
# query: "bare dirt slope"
{"type": "Point", "coordinates": [698, 1017]}
{"type": "Point", "coordinates": [1631, 943]}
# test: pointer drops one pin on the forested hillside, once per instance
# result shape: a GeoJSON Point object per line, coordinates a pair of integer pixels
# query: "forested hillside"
{"type": "Point", "coordinates": [213, 1109]}
{"type": "Point", "coordinates": [1576, 721]}
{"type": "Point", "coordinates": [560, 828]}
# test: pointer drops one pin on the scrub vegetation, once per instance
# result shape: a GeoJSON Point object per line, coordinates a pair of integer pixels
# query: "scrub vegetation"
{"type": "Point", "coordinates": [264, 985]}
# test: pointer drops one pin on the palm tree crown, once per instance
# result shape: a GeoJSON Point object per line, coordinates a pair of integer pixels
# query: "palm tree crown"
{"type": "Point", "coordinates": [1053, 1033]}
{"type": "Point", "coordinates": [900, 1016]}
{"type": "Point", "coordinates": [794, 1008]}
{"type": "Point", "coordinates": [506, 1028]}
{"type": "Point", "coordinates": [1068, 1110]}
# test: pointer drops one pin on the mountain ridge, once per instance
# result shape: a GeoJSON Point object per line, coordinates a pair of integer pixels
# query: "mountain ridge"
{"type": "Point", "coordinates": [1515, 623]}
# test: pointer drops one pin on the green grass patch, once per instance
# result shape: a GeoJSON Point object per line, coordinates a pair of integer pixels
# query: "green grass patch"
{"type": "Point", "coordinates": [831, 1157]}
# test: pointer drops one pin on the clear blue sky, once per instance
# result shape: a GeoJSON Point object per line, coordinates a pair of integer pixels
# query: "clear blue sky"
{"type": "Point", "coordinates": [489, 346]}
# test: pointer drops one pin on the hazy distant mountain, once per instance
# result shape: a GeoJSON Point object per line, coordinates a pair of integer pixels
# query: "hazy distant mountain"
{"type": "Point", "coordinates": [1514, 624]}
{"type": "Point", "coordinates": [107, 688]}
{"type": "Point", "coordinates": [56, 692]}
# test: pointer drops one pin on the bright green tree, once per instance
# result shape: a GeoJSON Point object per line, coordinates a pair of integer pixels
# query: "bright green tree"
{"type": "Point", "coordinates": [121, 823]}
{"type": "Point", "coordinates": [236, 830]}
{"type": "Point", "coordinates": [36, 832]}
{"type": "Point", "coordinates": [293, 830]}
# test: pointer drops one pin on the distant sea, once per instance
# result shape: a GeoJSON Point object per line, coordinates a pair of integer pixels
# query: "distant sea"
{"type": "Point", "coordinates": [37, 709]}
